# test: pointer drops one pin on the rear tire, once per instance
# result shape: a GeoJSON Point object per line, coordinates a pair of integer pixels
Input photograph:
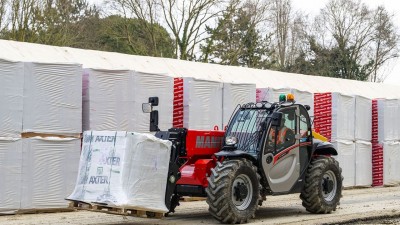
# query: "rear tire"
{"type": "Point", "coordinates": [233, 191]}
{"type": "Point", "coordinates": [323, 186]}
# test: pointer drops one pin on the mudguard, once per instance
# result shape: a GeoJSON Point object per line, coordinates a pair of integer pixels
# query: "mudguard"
{"type": "Point", "coordinates": [323, 148]}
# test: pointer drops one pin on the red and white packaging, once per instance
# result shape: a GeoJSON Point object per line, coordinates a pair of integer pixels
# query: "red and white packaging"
{"type": "Point", "coordinates": [334, 116]}
{"type": "Point", "coordinates": [202, 104]}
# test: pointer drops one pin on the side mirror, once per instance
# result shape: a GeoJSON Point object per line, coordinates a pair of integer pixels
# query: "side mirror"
{"type": "Point", "coordinates": [307, 107]}
{"type": "Point", "coordinates": [276, 119]}
{"type": "Point", "coordinates": [147, 107]}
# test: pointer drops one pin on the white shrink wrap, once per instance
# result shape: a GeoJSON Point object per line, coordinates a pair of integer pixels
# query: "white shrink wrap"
{"type": "Point", "coordinates": [108, 100]}
{"type": "Point", "coordinates": [153, 85]}
{"type": "Point", "coordinates": [388, 120]}
{"type": "Point", "coordinates": [363, 163]}
{"type": "Point", "coordinates": [123, 169]}
{"type": "Point", "coordinates": [11, 98]}
{"type": "Point", "coordinates": [202, 104]}
{"type": "Point", "coordinates": [343, 108]}
{"type": "Point", "coordinates": [391, 163]}
{"type": "Point", "coordinates": [363, 118]}
{"type": "Point", "coordinates": [347, 161]}
{"type": "Point", "coordinates": [49, 170]}
{"type": "Point", "coordinates": [304, 98]}
{"type": "Point", "coordinates": [235, 94]}
{"type": "Point", "coordinates": [10, 174]}
{"type": "Point", "coordinates": [52, 98]}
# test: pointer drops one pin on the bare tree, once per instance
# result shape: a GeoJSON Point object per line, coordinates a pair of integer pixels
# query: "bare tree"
{"type": "Point", "coordinates": [364, 39]}
{"type": "Point", "coordinates": [3, 14]}
{"type": "Point", "coordinates": [146, 10]}
{"type": "Point", "coordinates": [186, 20]}
{"type": "Point", "coordinates": [384, 42]}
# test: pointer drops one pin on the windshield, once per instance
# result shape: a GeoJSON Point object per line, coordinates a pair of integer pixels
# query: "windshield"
{"type": "Point", "coordinates": [246, 126]}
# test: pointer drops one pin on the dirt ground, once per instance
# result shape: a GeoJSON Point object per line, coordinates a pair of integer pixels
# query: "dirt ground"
{"type": "Point", "coordinates": [361, 206]}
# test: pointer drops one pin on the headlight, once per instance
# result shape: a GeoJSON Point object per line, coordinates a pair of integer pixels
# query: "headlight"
{"type": "Point", "coordinates": [231, 140]}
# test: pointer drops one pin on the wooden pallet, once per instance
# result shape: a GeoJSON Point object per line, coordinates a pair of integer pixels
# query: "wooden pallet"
{"type": "Point", "coordinates": [191, 199]}
{"type": "Point", "coordinates": [126, 211]}
{"type": "Point", "coordinates": [44, 210]}
{"type": "Point", "coordinates": [80, 205]}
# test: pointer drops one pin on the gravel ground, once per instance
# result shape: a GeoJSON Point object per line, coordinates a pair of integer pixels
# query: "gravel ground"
{"type": "Point", "coordinates": [360, 206]}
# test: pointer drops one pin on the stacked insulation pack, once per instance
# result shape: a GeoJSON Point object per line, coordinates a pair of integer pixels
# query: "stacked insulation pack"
{"type": "Point", "coordinates": [123, 169]}
{"type": "Point", "coordinates": [112, 99]}
{"type": "Point", "coordinates": [272, 95]}
{"type": "Point", "coordinates": [233, 95]}
{"type": "Point", "coordinates": [334, 119]}
{"type": "Point", "coordinates": [197, 104]}
{"type": "Point", "coordinates": [386, 142]}
{"type": "Point", "coordinates": [40, 125]}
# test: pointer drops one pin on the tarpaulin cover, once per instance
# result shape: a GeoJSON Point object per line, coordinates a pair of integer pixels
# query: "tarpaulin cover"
{"type": "Point", "coordinates": [52, 98]}
{"type": "Point", "coordinates": [153, 85]}
{"type": "Point", "coordinates": [346, 158]}
{"type": "Point", "coordinates": [363, 118]}
{"type": "Point", "coordinates": [10, 174]}
{"type": "Point", "coordinates": [235, 94]}
{"type": "Point", "coordinates": [391, 163]}
{"type": "Point", "coordinates": [11, 98]}
{"type": "Point", "coordinates": [343, 108]}
{"type": "Point", "coordinates": [123, 169]}
{"type": "Point", "coordinates": [388, 120]}
{"type": "Point", "coordinates": [202, 102]}
{"type": "Point", "coordinates": [363, 163]}
{"type": "Point", "coordinates": [49, 170]}
{"type": "Point", "coordinates": [108, 100]}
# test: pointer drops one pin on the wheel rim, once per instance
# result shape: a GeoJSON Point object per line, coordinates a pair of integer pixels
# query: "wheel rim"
{"type": "Point", "coordinates": [242, 192]}
{"type": "Point", "coordinates": [329, 185]}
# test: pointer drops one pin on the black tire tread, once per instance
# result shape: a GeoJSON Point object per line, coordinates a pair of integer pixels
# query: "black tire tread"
{"type": "Point", "coordinates": [218, 197]}
{"type": "Point", "coordinates": [311, 193]}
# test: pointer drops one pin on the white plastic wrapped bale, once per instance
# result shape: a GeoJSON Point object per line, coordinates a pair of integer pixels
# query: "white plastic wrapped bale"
{"type": "Point", "coordinates": [235, 94]}
{"type": "Point", "coordinates": [108, 100]}
{"type": "Point", "coordinates": [363, 118]}
{"type": "Point", "coordinates": [363, 163]}
{"type": "Point", "coordinates": [202, 104]}
{"type": "Point", "coordinates": [270, 94]}
{"type": "Point", "coordinates": [391, 163]}
{"type": "Point", "coordinates": [153, 85]}
{"type": "Point", "coordinates": [304, 98]}
{"type": "Point", "coordinates": [334, 116]}
{"type": "Point", "coordinates": [10, 174]}
{"type": "Point", "coordinates": [11, 98]}
{"type": "Point", "coordinates": [49, 169]}
{"type": "Point", "coordinates": [52, 98]}
{"type": "Point", "coordinates": [123, 169]}
{"type": "Point", "coordinates": [388, 120]}
{"type": "Point", "coordinates": [347, 161]}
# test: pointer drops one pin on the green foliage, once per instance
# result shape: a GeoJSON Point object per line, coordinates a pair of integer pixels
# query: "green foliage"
{"type": "Point", "coordinates": [236, 41]}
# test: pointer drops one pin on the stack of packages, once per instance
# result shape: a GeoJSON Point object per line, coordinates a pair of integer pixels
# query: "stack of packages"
{"type": "Point", "coordinates": [334, 119]}
{"type": "Point", "coordinates": [385, 142]}
{"type": "Point", "coordinates": [197, 104]}
{"type": "Point", "coordinates": [272, 95]}
{"type": "Point", "coordinates": [41, 126]}
{"type": "Point", "coordinates": [123, 169]}
{"type": "Point", "coordinates": [112, 99]}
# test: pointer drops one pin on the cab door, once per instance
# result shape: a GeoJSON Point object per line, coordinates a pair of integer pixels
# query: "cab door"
{"type": "Point", "coordinates": [281, 158]}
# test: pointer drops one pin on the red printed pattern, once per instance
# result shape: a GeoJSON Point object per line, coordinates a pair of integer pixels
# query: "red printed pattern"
{"type": "Point", "coordinates": [178, 103]}
{"type": "Point", "coordinates": [377, 149]}
{"type": "Point", "coordinates": [323, 114]}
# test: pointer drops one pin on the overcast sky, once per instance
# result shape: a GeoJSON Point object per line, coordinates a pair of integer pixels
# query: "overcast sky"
{"type": "Point", "coordinates": [393, 6]}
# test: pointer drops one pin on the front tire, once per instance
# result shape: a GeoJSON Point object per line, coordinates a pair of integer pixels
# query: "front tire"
{"type": "Point", "coordinates": [233, 191]}
{"type": "Point", "coordinates": [323, 186]}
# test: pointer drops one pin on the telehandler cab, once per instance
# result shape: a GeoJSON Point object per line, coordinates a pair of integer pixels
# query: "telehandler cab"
{"type": "Point", "coordinates": [267, 149]}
